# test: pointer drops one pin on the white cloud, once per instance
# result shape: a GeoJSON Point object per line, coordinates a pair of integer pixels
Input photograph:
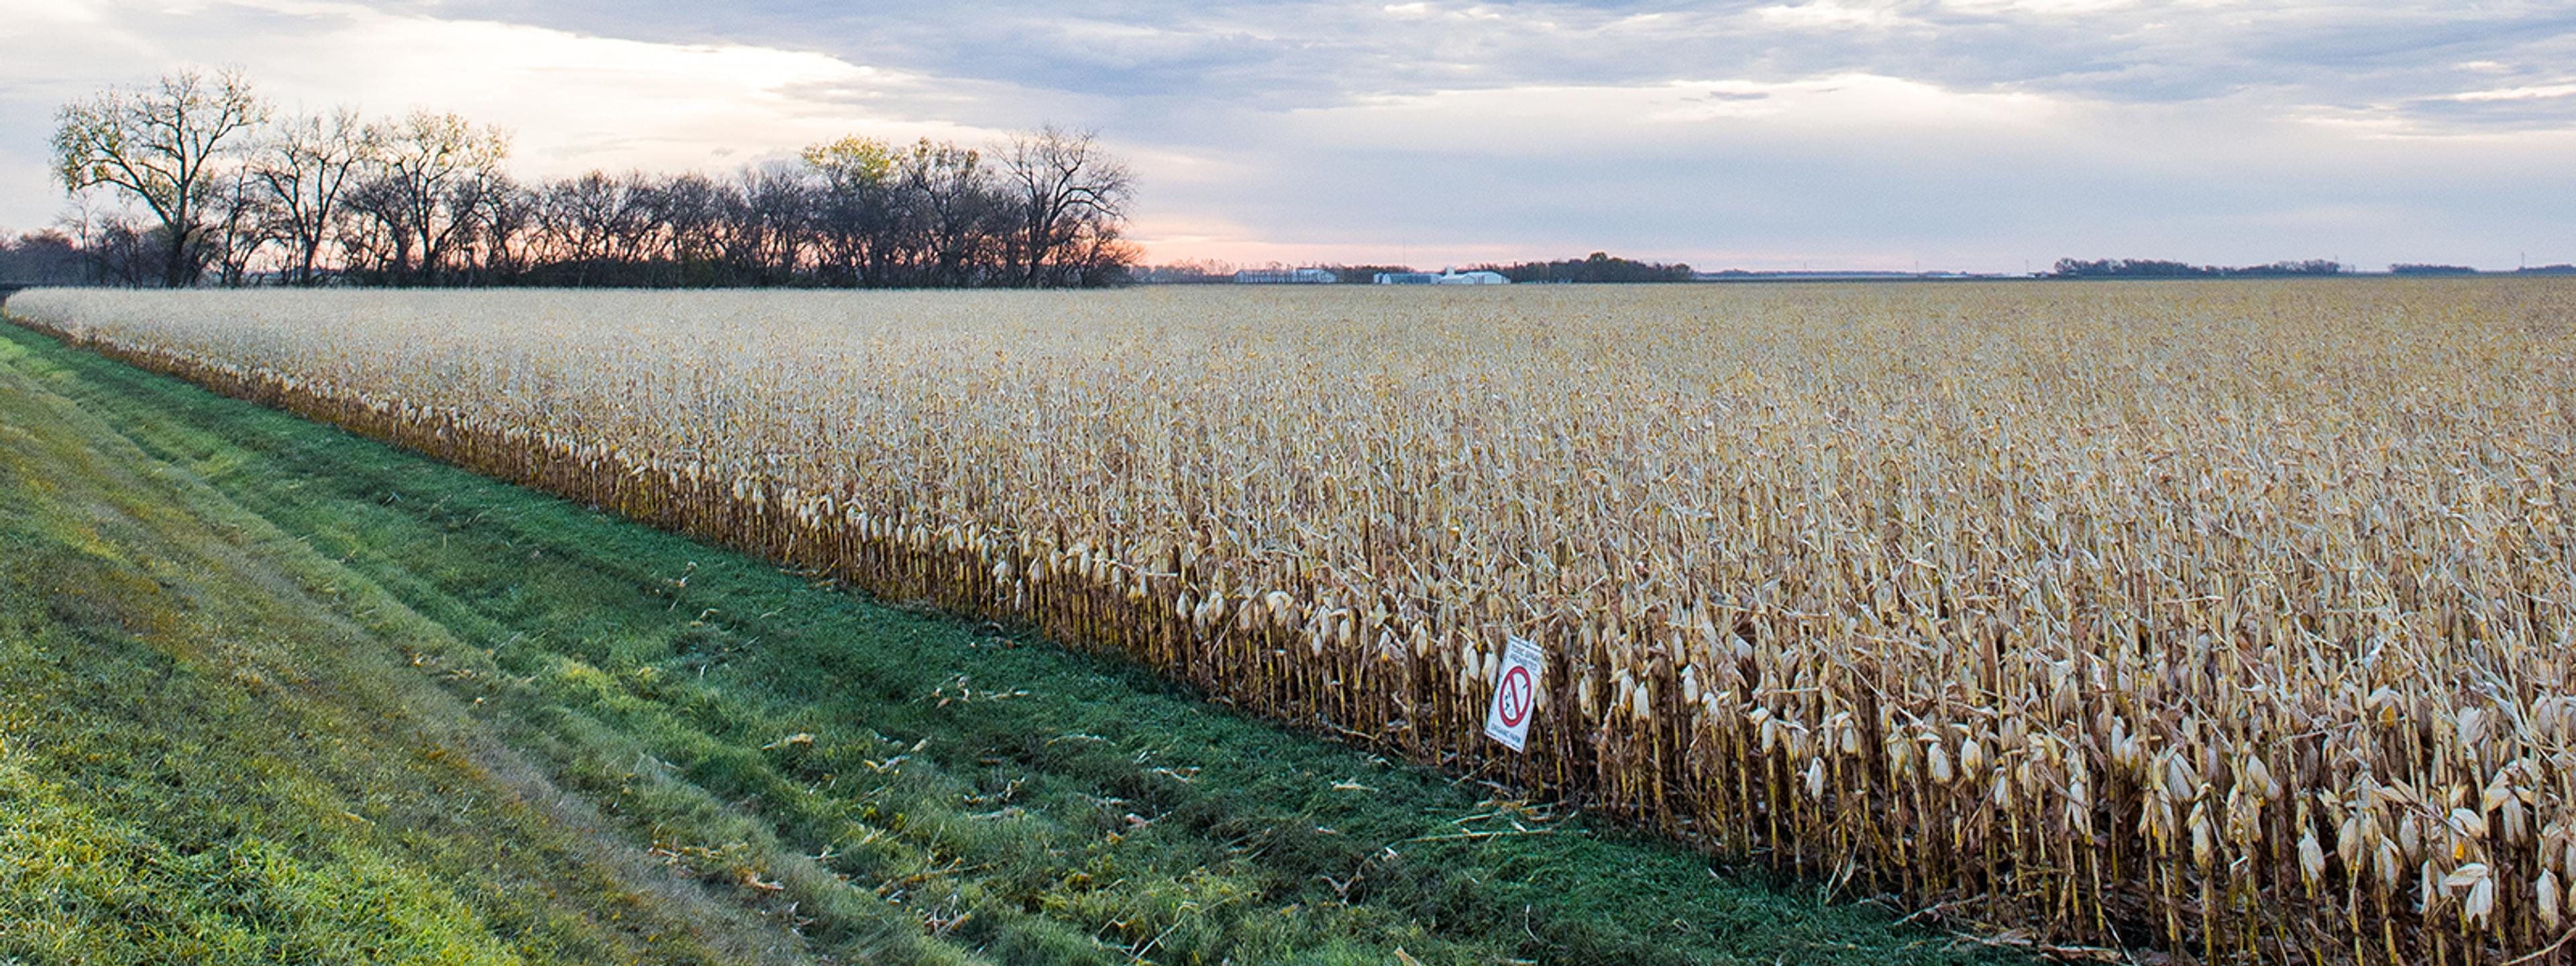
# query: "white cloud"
{"type": "Point", "coordinates": [1828, 15]}
{"type": "Point", "coordinates": [2517, 93]}
{"type": "Point", "coordinates": [2040, 7]}
{"type": "Point", "coordinates": [576, 102]}
{"type": "Point", "coordinates": [1574, 119]}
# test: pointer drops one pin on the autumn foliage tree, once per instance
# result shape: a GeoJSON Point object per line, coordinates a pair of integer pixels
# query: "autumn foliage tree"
{"type": "Point", "coordinates": [160, 146]}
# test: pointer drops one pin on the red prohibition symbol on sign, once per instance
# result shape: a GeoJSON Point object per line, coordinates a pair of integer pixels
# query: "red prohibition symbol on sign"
{"type": "Point", "coordinates": [1512, 699]}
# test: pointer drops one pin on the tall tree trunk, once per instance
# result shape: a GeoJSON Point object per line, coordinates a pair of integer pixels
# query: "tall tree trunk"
{"type": "Point", "coordinates": [174, 272]}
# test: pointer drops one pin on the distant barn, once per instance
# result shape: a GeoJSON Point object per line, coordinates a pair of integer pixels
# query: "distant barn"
{"type": "Point", "coordinates": [1449, 277]}
{"type": "Point", "coordinates": [1285, 276]}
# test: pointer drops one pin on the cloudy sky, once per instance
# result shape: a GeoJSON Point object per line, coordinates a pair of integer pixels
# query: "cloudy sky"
{"type": "Point", "coordinates": [1980, 135]}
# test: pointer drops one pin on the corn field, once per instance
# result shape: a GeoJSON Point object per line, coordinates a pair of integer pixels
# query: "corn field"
{"type": "Point", "coordinates": [2228, 618]}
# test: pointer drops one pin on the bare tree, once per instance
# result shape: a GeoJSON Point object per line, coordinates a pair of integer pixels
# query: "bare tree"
{"type": "Point", "coordinates": [505, 219]}
{"type": "Point", "coordinates": [306, 166]}
{"type": "Point", "coordinates": [956, 208]}
{"type": "Point", "coordinates": [430, 172]}
{"type": "Point", "coordinates": [1070, 193]}
{"type": "Point", "coordinates": [114, 250]}
{"type": "Point", "coordinates": [690, 210]}
{"type": "Point", "coordinates": [371, 231]}
{"type": "Point", "coordinates": [242, 223]}
{"type": "Point", "coordinates": [160, 146]}
{"type": "Point", "coordinates": [580, 220]}
{"type": "Point", "coordinates": [768, 240]}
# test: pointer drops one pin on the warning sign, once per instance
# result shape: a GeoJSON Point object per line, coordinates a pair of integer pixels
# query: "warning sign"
{"type": "Point", "coordinates": [1515, 693]}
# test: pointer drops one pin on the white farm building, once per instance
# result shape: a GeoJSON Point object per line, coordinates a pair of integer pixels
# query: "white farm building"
{"type": "Point", "coordinates": [1448, 277]}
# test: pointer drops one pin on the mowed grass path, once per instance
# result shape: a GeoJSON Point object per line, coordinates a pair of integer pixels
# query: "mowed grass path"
{"type": "Point", "coordinates": [271, 692]}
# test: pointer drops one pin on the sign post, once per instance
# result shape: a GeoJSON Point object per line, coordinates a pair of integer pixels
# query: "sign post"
{"type": "Point", "coordinates": [1515, 693]}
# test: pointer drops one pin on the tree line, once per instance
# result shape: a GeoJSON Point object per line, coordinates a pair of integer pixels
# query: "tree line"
{"type": "Point", "coordinates": [2157, 268]}
{"type": "Point", "coordinates": [213, 185]}
{"type": "Point", "coordinates": [1596, 267]}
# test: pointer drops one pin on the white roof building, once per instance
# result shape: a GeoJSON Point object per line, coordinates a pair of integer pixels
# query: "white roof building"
{"type": "Point", "coordinates": [1446, 277]}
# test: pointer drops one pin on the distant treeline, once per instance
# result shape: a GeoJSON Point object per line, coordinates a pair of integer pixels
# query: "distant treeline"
{"type": "Point", "coordinates": [1210, 271]}
{"type": "Point", "coordinates": [2414, 269]}
{"type": "Point", "coordinates": [1596, 267]}
{"type": "Point", "coordinates": [224, 190]}
{"type": "Point", "coordinates": [2154, 268]}
{"type": "Point", "coordinates": [2157, 268]}
{"type": "Point", "coordinates": [44, 258]}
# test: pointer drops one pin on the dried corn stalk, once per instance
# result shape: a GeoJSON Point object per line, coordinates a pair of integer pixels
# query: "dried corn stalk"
{"type": "Point", "coordinates": [2238, 612]}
